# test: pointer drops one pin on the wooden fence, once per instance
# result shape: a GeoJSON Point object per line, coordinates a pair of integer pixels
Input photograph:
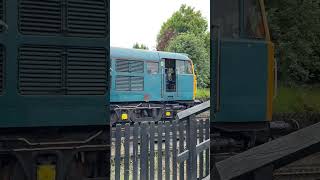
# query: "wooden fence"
{"type": "Point", "coordinates": [174, 150]}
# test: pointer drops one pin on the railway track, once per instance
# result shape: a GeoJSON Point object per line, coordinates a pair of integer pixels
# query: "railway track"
{"type": "Point", "coordinates": [304, 169]}
{"type": "Point", "coordinates": [298, 173]}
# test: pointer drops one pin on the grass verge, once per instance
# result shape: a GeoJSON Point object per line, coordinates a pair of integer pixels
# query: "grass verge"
{"type": "Point", "coordinates": [288, 99]}
{"type": "Point", "coordinates": [297, 99]}
{"type": "Point", "coordinates": [203, 94]}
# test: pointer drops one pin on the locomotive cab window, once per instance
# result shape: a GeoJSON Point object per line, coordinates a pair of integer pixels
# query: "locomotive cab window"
{"type": "Point", "coordinates": [226, 14]}
{"type": "Point", "coordinates": [184, 67]}
{"type": "Point", "coordinates": [188, 67]}
{"type": "Point", "coordinates": [153, 67]}
{"type": "Point", "coordinates": [170, 73]}
{"type": "Point", "coordinates": [253, 22]}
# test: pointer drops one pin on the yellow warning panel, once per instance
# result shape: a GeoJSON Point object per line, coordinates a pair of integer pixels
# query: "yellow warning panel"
{"type": "Point", "coordinates": [46, 172]}
{"type": "Point", "coordinates": [124, 116]}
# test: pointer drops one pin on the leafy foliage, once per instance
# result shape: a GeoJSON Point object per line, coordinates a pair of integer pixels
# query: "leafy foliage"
{"type": "Point", "coordinates": [140, 46]}
{"type": "Point", "coordinates": [295, 29]}
{"type": "Point", "coordinates": [186, 20]}
{"type": "Point", "coordinates": [193, 46]}
{"type": "Point", "coordinates": [186, 32]}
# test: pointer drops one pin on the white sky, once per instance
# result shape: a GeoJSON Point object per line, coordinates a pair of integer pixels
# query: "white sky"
{"type": "Point", "coordinates": [140, 21]}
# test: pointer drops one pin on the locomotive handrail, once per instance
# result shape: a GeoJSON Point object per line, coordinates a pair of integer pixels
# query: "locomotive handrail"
{"type": "Point", "coordinates": [216, 51]}
{"type": "Point", "coordinates": [194, 110]}
{"type": "Point", "coordinates": [53, 143]}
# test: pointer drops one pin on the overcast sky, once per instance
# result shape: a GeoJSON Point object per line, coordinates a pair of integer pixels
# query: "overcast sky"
{"type": "Point", "coordinates": [140, 20]}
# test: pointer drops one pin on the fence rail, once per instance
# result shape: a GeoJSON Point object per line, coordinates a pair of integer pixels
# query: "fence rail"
{"type": "Point", "coordinates": [176, 150]}
{"type": "Point", "coordinates": [161, 151]}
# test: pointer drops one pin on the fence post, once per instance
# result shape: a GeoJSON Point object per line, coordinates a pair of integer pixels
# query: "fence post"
{"type": "Point", "coordinates": [144, 153]}
{"type": "Point", "coordinates": [192, 141]}
{"type": "Point", "coordinates": [117, 152]}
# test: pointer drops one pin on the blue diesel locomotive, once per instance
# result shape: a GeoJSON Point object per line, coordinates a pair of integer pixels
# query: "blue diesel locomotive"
{"type": "Point", "coordinates": [149, 85]}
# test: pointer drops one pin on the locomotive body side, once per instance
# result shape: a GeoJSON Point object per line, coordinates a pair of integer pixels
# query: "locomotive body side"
{"type": "Point", "coordinates": [54, 71]}
{"type": "Point", "coordinates": [242, 74]}
{"type": "Point", "coordinates": [157, 80]}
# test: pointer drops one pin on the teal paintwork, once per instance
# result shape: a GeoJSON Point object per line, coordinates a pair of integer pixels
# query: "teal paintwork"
{"type": "Point", "coordinates": [36, 111]}
{"type": "Point", "coordinates": [153, 83]}
{"type": "Point", "coordinates": [243, 81]}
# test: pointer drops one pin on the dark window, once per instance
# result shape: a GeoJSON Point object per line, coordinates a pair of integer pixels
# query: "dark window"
{"type": "Point", "coordinates": [184, 67]}
{"type": "Point", "coordinates": [226, 14]}
{"type": "Point", "coordinates": [129, 66]}
{"type": "Point", "coordinates": [253, 22]}
{"type": "Point", "coordinates": [153, 67]}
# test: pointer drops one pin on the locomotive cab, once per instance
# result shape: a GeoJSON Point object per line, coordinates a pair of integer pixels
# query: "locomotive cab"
{"type": "Point", "coordinates": [176, 71]}
{"type": "Point", "coordinates": [243, 62]}
{"type": "Point", "coordinates": [242, 68]}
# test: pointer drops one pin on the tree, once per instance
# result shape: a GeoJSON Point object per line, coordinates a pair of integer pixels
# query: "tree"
{"type": "Point", "coordinates": [185, 20]}
{"type": "Point", "coordinates": [193, 46]}
{"type": "Point", "coordinates": [186, 32]}
{"type": "Point", "coordinates": [140, 46]}
{"type": "Point", "coordinates": [295, 30]}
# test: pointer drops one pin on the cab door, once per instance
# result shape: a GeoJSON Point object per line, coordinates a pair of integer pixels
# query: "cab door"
{"type": "Point", "coordinates": [169, 79]}
{"type": "Point", "coordinates": [185, 79]}
{"type": "Point", "coordinates": [242, 62]}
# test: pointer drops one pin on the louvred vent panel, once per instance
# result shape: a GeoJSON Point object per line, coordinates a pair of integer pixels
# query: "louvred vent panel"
{"type": "Point", "coordinates": [40, 16]}
{"type": "Point", "coordinates": [129, 83]}
{"type": "Point", "coordinates": [129, 66]}
{"type": "Point", "coordinates": [86, 71]}
{"type": "Point", "coordinates": [40, 70]}
{"type": "Point", "coordinates": [87, 18]}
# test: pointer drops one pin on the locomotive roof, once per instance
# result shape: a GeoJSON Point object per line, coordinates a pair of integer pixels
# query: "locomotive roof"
{"type": "Point", "coordinates": [140, 54]}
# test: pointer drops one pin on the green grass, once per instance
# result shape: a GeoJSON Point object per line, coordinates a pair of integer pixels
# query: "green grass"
{"type": "Point", "coordinates": [289, 99]}
{"type": "Point", "coordinates": [299, 99]}
{"type": "Point", "coordinates": [203, 94]}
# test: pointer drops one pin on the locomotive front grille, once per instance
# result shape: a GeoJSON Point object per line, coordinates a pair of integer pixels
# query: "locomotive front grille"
{"type": "Point", "coordinates": [62, 71]}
